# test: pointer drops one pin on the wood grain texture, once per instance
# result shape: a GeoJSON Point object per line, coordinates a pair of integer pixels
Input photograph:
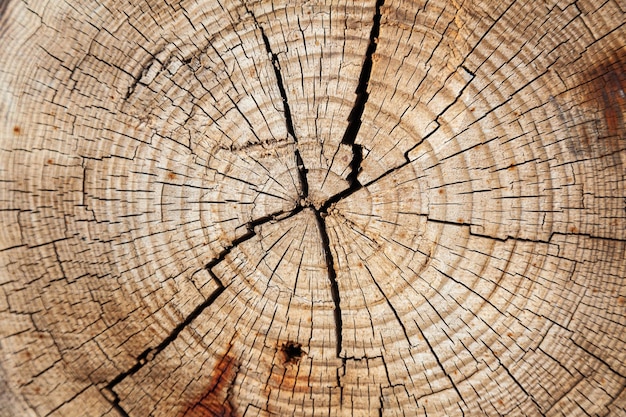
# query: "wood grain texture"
{"type": "Point", "coordinates": [312, 208]}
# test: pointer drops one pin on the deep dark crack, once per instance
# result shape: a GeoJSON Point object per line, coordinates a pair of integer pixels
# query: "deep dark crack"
{"type": "Point", "coordinates": [355, 119]}
{"type": "Point", "coordinates": [332, 276]}
{"type": "Point", "coordinates": [304, 187]}
{"type": "Point", "coordinates": [304, 184]}
{"type": "Point", "coordinates": [362, 95]}
{"type": "Point", "coordinates": [349, 138]}
{"type": "Point", "coordinates": [150, 353]}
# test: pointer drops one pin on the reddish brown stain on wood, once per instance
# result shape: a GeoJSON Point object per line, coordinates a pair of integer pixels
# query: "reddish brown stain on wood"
{"type": "Point", "coordinates": [16, 130]}
{"type": "Point", "coordinates": [614, 97]}
{"type": "Point", "coordinates": [216, 401]}
{"type": "Point", "coordinates": [606, 90]}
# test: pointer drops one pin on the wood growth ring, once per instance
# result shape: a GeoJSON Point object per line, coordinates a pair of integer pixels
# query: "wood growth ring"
{"type": "Point", "coordinates": [312, 208]}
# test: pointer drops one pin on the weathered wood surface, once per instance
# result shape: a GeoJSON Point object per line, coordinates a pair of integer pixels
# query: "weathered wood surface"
{"type": "Point", "coordinates": [304, 208]}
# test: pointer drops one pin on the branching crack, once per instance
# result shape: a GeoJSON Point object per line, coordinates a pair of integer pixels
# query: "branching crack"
{"type": "Point", "coordinates": [355, 119]}
{"type": "Point", "coordinates": [355, 186]}
{"type": "Point", "coordinates": [349, 138]}
{"type": "Point", "coordinates": [302, 171]}
{"type": "Point", "coordinates": [150, 353]}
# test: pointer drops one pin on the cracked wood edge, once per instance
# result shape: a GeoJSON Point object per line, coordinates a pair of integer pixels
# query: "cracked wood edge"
{"type": "Point", "coordinates": [302, 209]}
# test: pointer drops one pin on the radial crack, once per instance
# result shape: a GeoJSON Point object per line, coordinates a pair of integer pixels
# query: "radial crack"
{"type": "Point", "coordinates": [150, 353]}
{"type": "Point", "coordinates": [332, 276]}
{"type": "Point", "coordinates": [349, 138]}
{"type": "Point", "coordinates": [355, 117]}
{"type": "Point", "coordinates": [304, 184]}
{"type": "Point", "coordinates": [390, 305]}
{"type": "Point", "coordinates": [356, 114]}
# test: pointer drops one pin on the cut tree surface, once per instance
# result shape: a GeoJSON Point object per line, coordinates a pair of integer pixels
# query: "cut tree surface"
{"type": "Point", "coordinates": [312, 208]}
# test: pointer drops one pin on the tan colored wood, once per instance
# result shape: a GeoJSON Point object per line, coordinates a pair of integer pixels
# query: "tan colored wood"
{"type": "Point", "coordinates": [310, 208]}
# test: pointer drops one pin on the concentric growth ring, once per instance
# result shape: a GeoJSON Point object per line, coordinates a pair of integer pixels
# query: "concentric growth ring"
{"type": "Point", "coordinates": [271, 209]}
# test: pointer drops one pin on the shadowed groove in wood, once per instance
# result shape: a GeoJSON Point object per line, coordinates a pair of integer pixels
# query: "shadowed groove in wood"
{"type": "Point", "coordinates": [3, 7]}
{"type": "Point", "coordinates": [332, 276]}
{"type": "Point", "coordinates": [304, 183]}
